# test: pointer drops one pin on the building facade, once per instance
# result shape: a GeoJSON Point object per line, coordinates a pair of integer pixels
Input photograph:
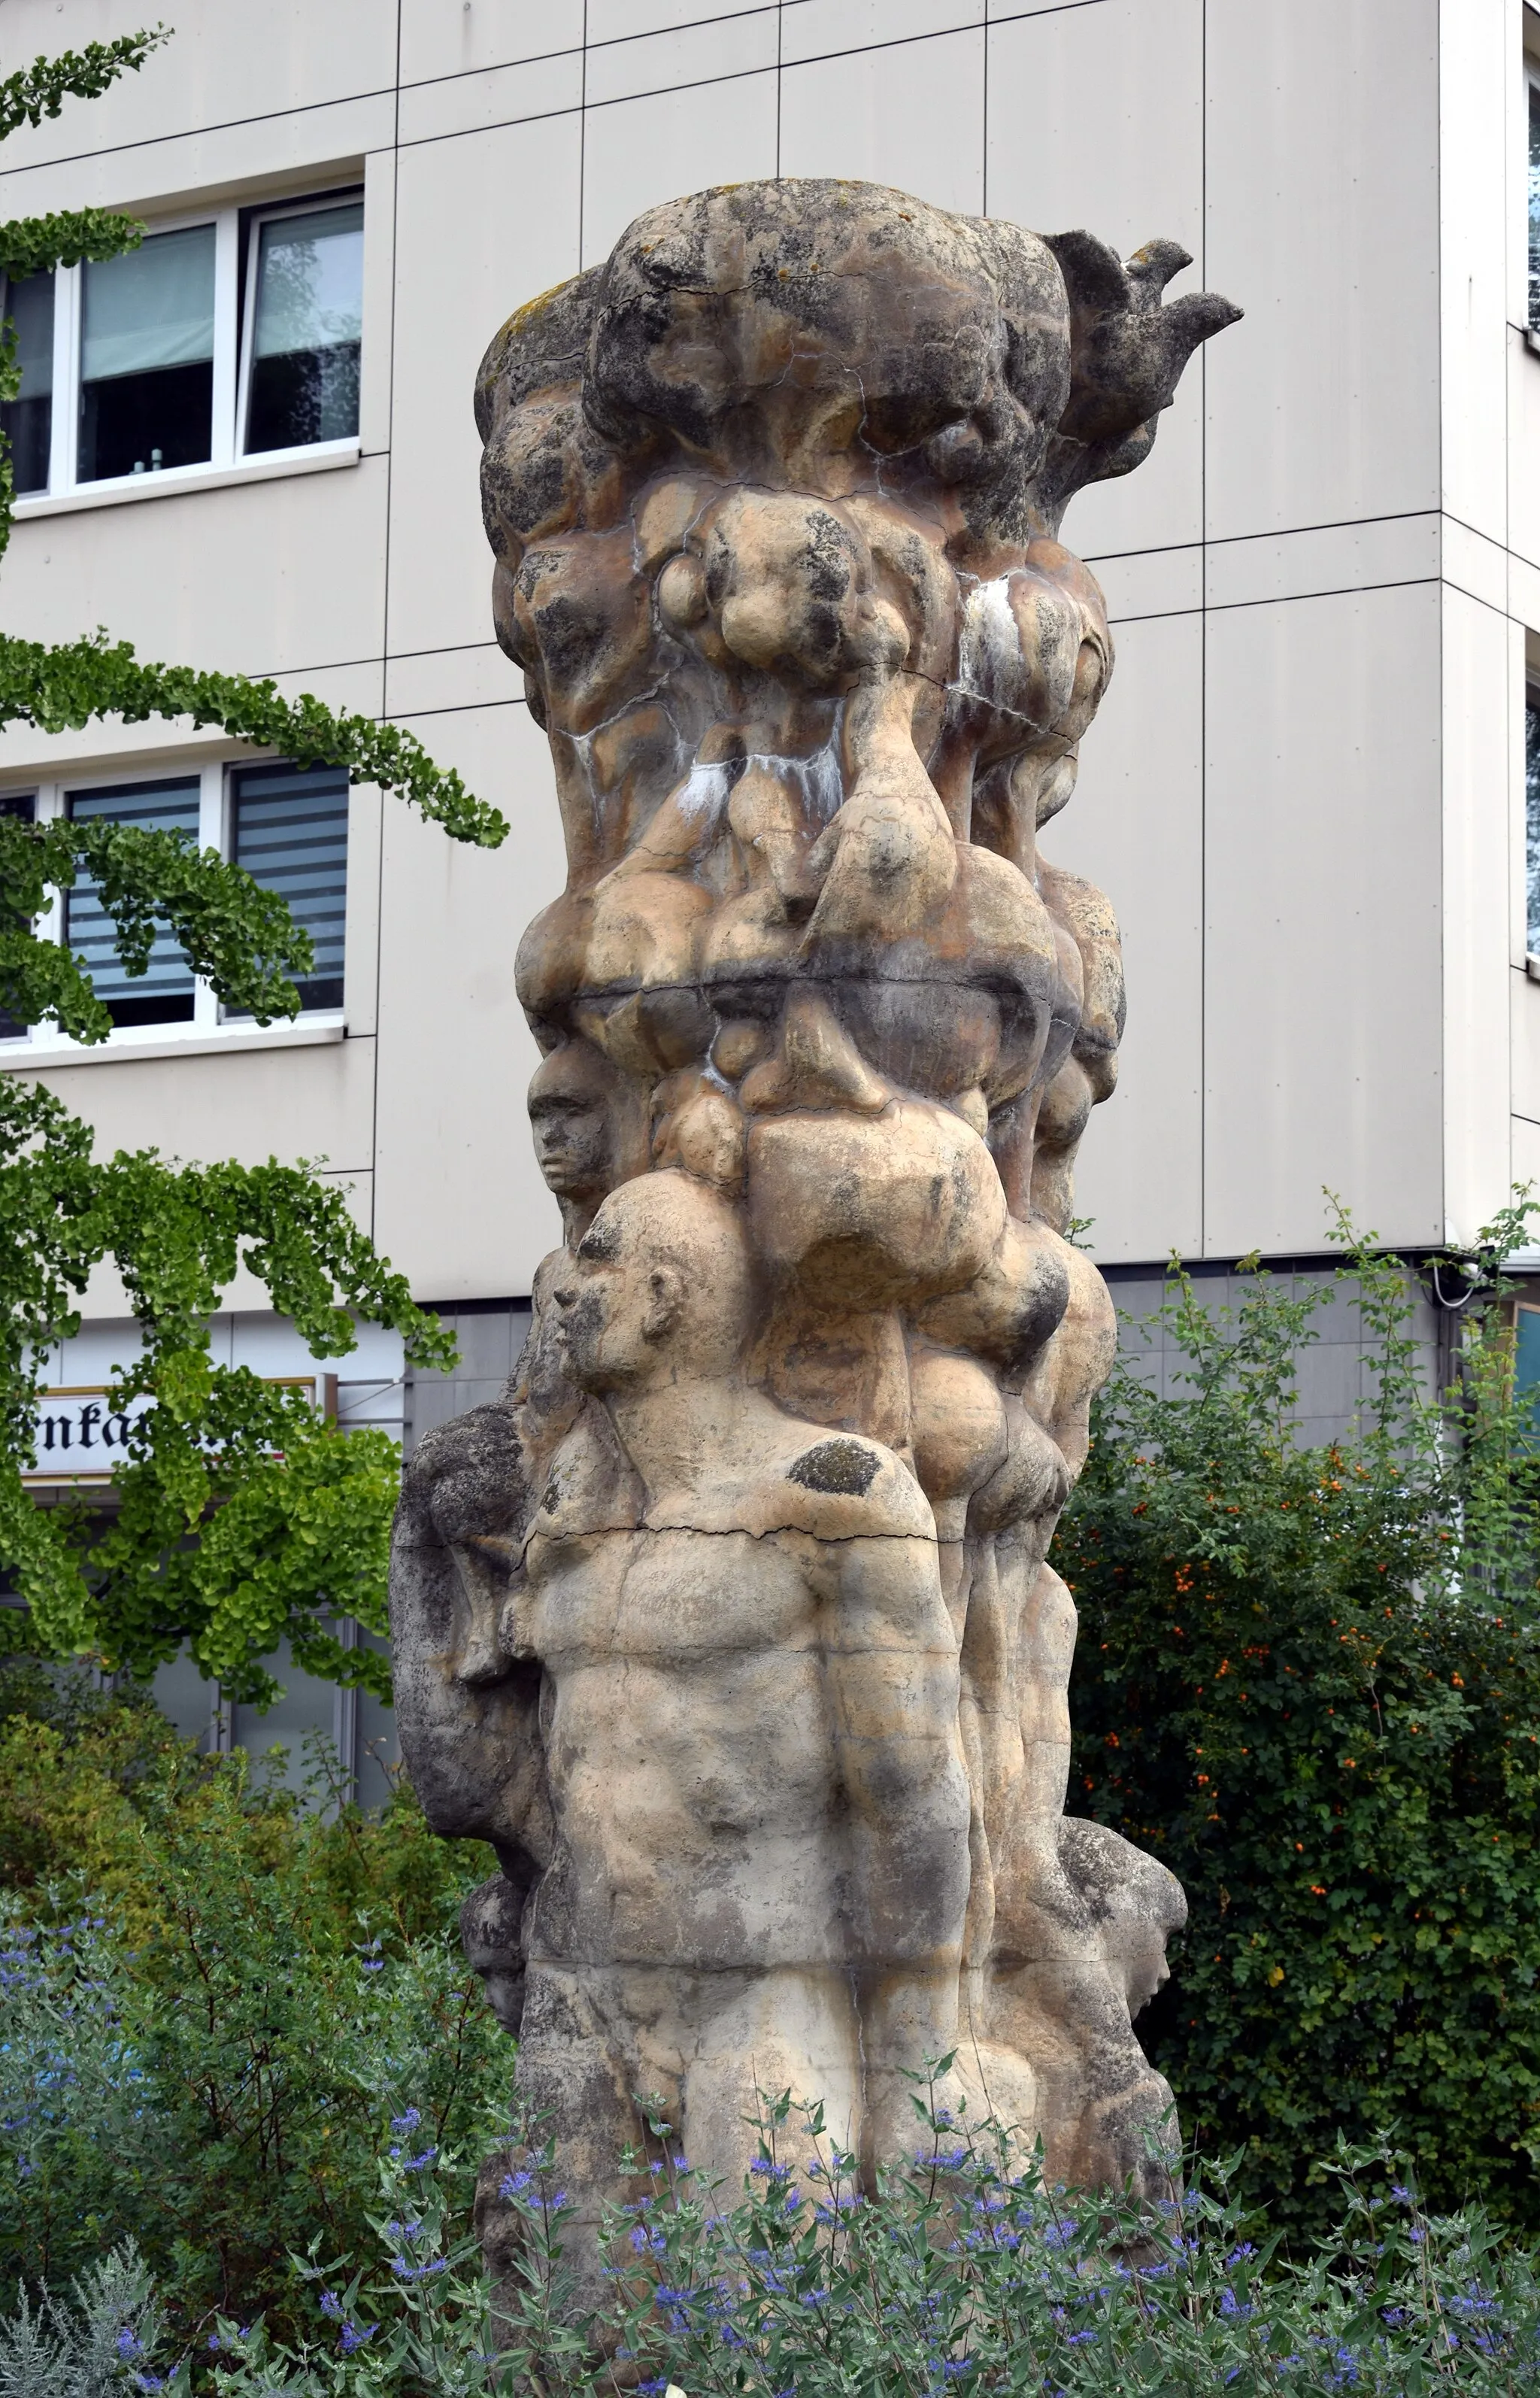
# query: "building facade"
{"type": "Point", "coordinates": [251, 448]}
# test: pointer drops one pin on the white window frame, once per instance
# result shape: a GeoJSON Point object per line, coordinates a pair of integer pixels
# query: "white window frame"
{"type": "Point", "coordinates": [208, 1025]}
{"type": "Point", "coordinates": [232, 370]}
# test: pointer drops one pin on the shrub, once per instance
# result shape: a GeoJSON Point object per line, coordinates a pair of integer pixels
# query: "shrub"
{"type": "Point", "coordinates": [965, 2275]}
{"type": "Point", "coordinates": [1309, 1681]}
{"type": "Point", "coordinates": [198, 2055]}
{"type": "Point", "coordinates": [99, 2346]}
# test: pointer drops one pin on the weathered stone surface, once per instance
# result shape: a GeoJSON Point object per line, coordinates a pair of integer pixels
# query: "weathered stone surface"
{"type": "Point", "coordinates": [730, 1626]}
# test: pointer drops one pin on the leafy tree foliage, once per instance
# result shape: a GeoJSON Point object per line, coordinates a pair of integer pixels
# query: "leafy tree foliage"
{"type": "Point", "coordinates": [1310, 1679]}
{"type": "Point", "coordinates": [241, 1519]}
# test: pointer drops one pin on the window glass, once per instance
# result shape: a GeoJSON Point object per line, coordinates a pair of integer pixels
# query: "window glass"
{"type": "Point", "coordinates": [165, 994]}
{"type": "Point", "coordinates": [28, 420]}
{"type": "Point", "coordinates": [147, 356]}
{"type": "Point", "coordinates": [22, 805]}
{"type": "Point", "coordinates": [1535, 205]}
{"type": "Point", "coordinates": [291, 833]}
{"type": "Point", "coordinates": [307, 311]}
{"type": "Point", "coordinates": [1532, 819]}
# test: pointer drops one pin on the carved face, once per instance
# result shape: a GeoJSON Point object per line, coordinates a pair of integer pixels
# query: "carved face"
{"type": "Point", "coordinates": [572, 1143]}
{"type": "Point", "coordinates": [608, 1303]}
{"type": "Point", "coordinates": [659, 1285]}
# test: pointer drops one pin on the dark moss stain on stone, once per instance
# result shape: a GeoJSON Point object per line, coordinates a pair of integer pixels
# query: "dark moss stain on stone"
{"type": "Point", "coordinates": [847, 1467]}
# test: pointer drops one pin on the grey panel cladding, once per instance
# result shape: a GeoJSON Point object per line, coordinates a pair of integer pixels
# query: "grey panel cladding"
{"type": "Point", "coordinates": [490, 1334]}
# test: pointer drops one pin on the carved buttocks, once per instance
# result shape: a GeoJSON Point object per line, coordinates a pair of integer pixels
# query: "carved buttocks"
{"type": "Point", "coordinates": [732, 1625]}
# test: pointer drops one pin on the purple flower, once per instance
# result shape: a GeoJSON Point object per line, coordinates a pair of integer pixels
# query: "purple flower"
{"type": "Point", "coordinates": [128, 2343]}
{"type": "Point", "coordinates": [419, 2165]}
{"type": "Point", "coordinates": [355, 2336]}
{"type": "Point", "coordinates": [407, 2122]}
{"type": "Point", "coordinates": [332, 2305]}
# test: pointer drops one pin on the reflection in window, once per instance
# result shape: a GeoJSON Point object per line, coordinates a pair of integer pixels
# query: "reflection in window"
{"type": "Point", "coordinates": [307, 315]}
{"type": "Point", "coordinates": [147, 356]}
{"type": "Point", "coordinates": [165, 994]}
{"type": "Point", "coordinates": [28, 420]}
{"type": "Point", "coordinates": [1532, 820]}
{"type": "Point", "coordinates": [291, 833]}
{"type": "Point", "coordinates": [1535, 205]}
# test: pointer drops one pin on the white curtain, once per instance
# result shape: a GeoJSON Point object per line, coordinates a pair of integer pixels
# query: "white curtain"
{"type": "Point", "coordinates": [153, 307]}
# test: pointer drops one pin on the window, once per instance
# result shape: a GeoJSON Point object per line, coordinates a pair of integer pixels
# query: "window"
{"type": "Point", "coordinates": [234, 335]}
{"type": "Point", "coordinates": [285, 824]}
{"type": "Point", "coordinates": [1532, 822]}
{"type": "Point", "coordinates": [304, 281]}
{"type": "Point", "coordinates": [1535, 205]}
{"type": "Point", "coordinates": [147, 357]}
{"type": "Point", "coordinates": [28, 422]}
{"type": "Point", "coordinates": [22, 804]}
{"type": "Point", "coordinates": [289, 830]}
{"type": "Point", "coordinates": [165, 995]}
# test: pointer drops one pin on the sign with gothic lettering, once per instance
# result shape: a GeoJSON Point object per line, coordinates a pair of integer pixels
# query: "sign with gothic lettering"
{"type": "Point", "coordinates": [80, 1436]}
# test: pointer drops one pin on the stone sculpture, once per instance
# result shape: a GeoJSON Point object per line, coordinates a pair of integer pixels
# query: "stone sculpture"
{"type": "Point", "coordinates": [730, 1626]}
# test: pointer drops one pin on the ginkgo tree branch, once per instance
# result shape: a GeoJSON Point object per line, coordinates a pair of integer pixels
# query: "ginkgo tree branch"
{"type": "Point", "coordinates": [62, 687]}
{"type": "Point", "coordinates": [308, 1536]}
{"type": "Point", "coordinates": [241, 937]}
{"type": "Point", "coordinates": [40, 90]}
{"type": "Point", "coordinates": [37, 244]}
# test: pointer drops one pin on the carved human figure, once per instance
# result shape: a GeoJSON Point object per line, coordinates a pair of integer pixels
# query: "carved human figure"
{"type": "Point", "coordinates": [759, 1867]}
{"type": "Point", "coordinates": [733, 1627]}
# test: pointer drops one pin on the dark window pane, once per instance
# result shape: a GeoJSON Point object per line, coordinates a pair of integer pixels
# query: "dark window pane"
{"type": "Point", "coordinates": [291, 833]}
{"type": "Point", "coordinates": [165, 994]}
{"type": "Point", "coordinates": [22, 805]}
{"type": "Point", "coordinates": [28, 420]}
{"type": "Point", "coordinates": [147, 357]}
{"type": "Point", "coordinates": [1532, 819]}
{"type": "Point", "coordinates": [307, 314]}
{"type": "Point", "coordinates": [1535, 205]}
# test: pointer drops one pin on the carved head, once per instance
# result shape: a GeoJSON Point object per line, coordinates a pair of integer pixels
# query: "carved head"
{"type": "Point", "coordinates": [658, 1288]}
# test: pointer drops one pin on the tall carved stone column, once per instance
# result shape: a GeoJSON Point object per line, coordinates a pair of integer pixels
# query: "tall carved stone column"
{"type": "Point", "coordinates": [730, 1626]}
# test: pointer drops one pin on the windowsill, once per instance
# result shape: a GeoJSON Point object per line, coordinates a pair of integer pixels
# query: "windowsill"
{"type": "Point", "coordinates": [1532, 337]}
{"type": "Point", "coordinates": [313, 460]}
{"type": "Point", "coordinates": [1532, 967]}
{"type": "Point", "coordinates": [124, 1047]}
